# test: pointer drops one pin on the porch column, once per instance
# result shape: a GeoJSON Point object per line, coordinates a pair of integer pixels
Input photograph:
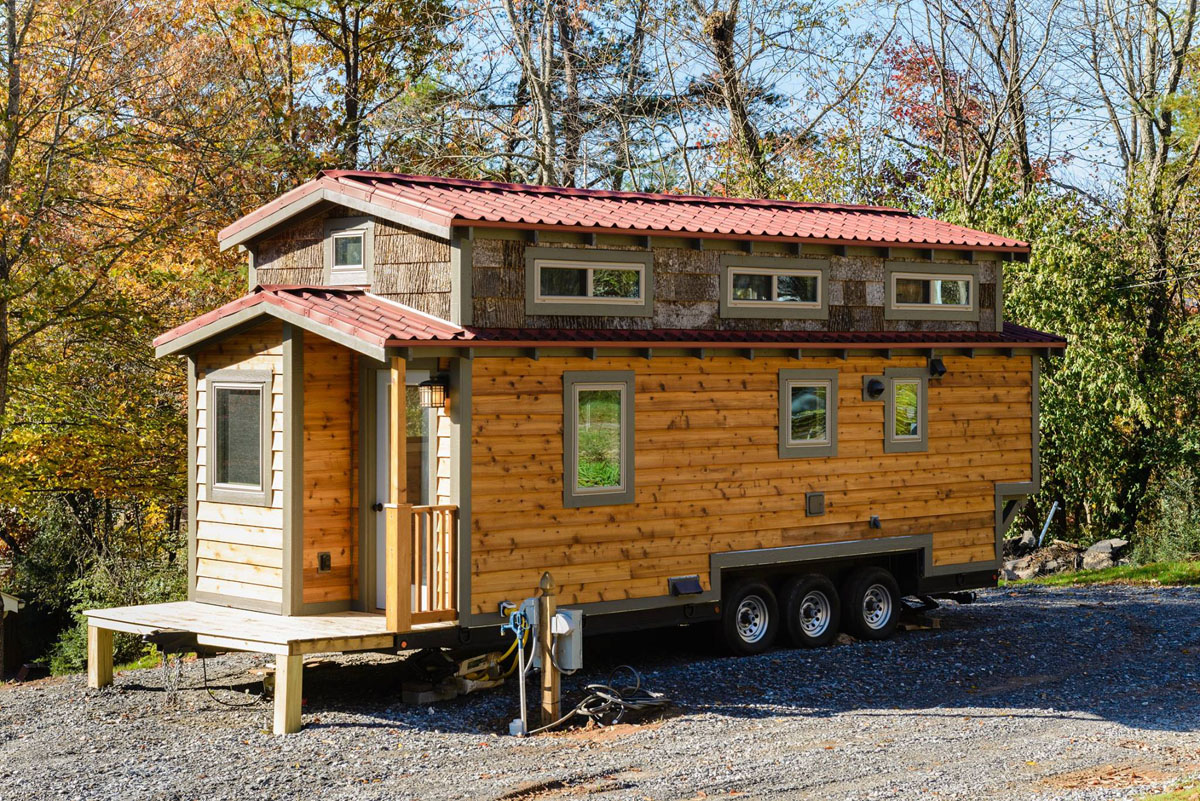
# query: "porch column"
{"type": "Point", "coordinates": [399, 514]}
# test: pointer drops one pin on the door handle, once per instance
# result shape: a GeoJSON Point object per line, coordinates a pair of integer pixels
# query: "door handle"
{"type": "Point", "coordinates": [377, 507]}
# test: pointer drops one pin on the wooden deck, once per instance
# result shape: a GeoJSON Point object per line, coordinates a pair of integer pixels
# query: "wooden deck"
{"type": "Point", "coordinates": [239, 630]}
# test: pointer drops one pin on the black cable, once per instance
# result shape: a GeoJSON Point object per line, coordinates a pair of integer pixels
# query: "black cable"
{"type": "Point", "coordinates": [604, 701]}
{"type": "Point", "coordinates": [204, 670]}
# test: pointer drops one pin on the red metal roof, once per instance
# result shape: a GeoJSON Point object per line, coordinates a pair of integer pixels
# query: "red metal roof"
{"type": "Point", "coordinates": [447, 202]}
{"type": "Point", "coordinates": [382, 323]}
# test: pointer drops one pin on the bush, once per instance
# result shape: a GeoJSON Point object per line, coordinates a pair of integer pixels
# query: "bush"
{"type": "Point", "coordinates": [1171, 532]}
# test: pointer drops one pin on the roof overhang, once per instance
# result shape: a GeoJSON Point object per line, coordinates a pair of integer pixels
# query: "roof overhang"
{"type": "Point", "coordinates": [10, 603]}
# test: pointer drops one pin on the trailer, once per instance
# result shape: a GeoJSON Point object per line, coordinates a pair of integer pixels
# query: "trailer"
{"type": "Point", "coordinates": [778, 417]}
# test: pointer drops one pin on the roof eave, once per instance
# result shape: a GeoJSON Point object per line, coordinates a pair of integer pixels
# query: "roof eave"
{"type": "Point", "coordinates": [723, 344]}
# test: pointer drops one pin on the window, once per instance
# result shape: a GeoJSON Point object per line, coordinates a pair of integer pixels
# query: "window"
{"type": "Point", "coordinates": [598, 438]}
{"type": "Point", "coordinates": [924, 291]}
{"type": "Point", "coordinates": [349, 251]}
{"type": "Point", "coordinates": [577, 281]}
{"type": "Point", "coordinates": [807, 413]}
{"type": "Point", "coordinates": [771, 287]}
{"type": "Point", "coordinates": [905, 409]}
{"type": "Point", "coordinates": [239, 430]}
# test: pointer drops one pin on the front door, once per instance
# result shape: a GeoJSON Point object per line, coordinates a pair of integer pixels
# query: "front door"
{"type": "Point", "coordinates": [419, 459]}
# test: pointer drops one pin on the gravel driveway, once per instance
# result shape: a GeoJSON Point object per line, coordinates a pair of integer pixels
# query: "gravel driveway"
{"type": "Point", "coordinates": [1029, 693]}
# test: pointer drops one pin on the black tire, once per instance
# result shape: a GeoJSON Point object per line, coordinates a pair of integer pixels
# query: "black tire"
{"type": "Point", "coordinates": [812, 611]}
{"type": "Point", "coordinates": [749, 618]}
{"type": "Point", "coordinates": [870, 603]}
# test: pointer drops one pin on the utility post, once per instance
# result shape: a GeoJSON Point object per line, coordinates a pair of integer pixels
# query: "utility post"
{"type": "Point", "coordinates": [550, 684]}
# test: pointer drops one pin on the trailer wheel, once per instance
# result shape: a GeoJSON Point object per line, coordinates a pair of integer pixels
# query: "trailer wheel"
{"type": "Point", "coordinates": [871, 603]}
{"type": "Point", "coordinates": [750, 618]}
{"type": "Point", "coordinates": [812, 610]}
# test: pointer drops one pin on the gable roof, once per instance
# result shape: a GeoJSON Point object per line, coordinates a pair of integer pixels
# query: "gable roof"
{"type": "Point", "coordinates": [437, 205]}
{"type": "Point", "coordinates": [370, 324]}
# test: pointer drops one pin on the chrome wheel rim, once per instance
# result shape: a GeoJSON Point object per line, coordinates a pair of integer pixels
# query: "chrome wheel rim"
{"type": "Point", "coordinates": [877, 606]}
{"type": "Point", "coordinates": [752, 619]}
{"type": "Point", "coordinates": [815, 614]}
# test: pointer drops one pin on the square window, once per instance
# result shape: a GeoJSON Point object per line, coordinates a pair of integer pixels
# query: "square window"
{"type": "Point", "coordinates": [807, 413]}
{"type": "Point", "coordinates": [348, 251]}
{"type": "Point", "coordinates": [598, 438]}
{"type": "Point", "coordinates": [239, 436]}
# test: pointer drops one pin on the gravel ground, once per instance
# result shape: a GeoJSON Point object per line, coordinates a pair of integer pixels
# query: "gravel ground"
{"type": "Point", "coordinates": [1029, 693]}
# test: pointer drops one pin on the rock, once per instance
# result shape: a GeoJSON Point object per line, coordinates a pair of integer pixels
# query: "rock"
{"type": "Point", "coordinates": [1052, 566]}
{"type": "Point", "coordinates": [1020, 546]}
{"type": "Point", "coordinates": [1104, 553]}
{"type": "Point", "coordinates": [1020, 568]}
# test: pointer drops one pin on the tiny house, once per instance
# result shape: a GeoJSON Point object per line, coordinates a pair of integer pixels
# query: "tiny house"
{"type": "Point", "coordinates": [781, 417]}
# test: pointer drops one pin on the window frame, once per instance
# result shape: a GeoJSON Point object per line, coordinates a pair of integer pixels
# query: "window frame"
{"type": "Point", "coordinates": [734, 264]}
{"type": "Point", "coordinates": [261, 381]}
{"type": "Point", "coordinates": [589, 259]}
{"type": "Point", "coordinates": [343, 226]}
{"type": "Point", "coordinates": [792, 450]}
{"type": "Point", "coordinates": [930, 271]}
{"type": "Point", "coordinates": [906, 444]}
{"type": "Point", "coordinates": [573, 497]}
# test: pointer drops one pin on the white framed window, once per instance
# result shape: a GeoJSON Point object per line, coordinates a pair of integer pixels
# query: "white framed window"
{"type": "Point", "coordinates": [598, 438]}
{"type": "Point", "coordinates": [807, 413]}
{"type": "Point", "coordinates": [931, 292]}
{"type": "Point", "coordinates": [774, 287]}
{"type": "Point", "coordinates": [239, 436]}
{"type": "Point", "coordinates": [349, 251]}
{"type": "Point", "coordinates": [578, 281]}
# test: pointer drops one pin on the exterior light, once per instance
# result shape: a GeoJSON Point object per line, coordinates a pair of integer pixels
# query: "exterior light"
{"type": "Point", "coordinates": [937, 368]}
{"type": "Point", "coordinates": [433, 392]}
{"type": "Point", "coordinates": [874, 388]}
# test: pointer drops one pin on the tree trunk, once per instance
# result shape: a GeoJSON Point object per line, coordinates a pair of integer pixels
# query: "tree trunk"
{"type": "Point", "coordinates": [721, 27]}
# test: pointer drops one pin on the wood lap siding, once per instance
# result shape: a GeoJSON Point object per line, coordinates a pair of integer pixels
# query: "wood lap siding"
{"type": "Point", "coordinates": [239, 548]}
{"type": "Point", "coordinates": [327, 491]}
{"type": "Point", "coordinates": [709, 478]}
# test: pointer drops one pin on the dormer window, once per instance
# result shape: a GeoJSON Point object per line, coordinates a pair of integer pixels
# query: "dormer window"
{"type": "Point", "coordinates": [348, 251]}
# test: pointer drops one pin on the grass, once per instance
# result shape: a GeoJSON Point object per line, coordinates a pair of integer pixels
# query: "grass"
{"type": "Point", "coordinates": [1187, 792]}
{"type": "Point", "coordinates": [1155, 573]}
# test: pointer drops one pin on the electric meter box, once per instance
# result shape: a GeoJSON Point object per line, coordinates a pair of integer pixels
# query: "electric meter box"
{"type": "Point", "coordinates": [567, 628]}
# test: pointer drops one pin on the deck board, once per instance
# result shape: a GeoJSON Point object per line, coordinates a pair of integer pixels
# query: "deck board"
{"type": "Point", "coordinates": [242, 630]}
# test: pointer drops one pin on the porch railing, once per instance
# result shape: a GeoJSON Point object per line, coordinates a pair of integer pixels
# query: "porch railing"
{"type": "Point", "coordinates": [422, 559]}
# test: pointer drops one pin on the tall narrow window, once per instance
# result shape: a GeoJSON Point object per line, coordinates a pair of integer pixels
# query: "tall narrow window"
{"type": "Point", "coordinates": [598, 431]}
{"type": "Point", "coordinates": [906, 396]}
{"type": "Point", "coordinates": [807, 413]}
{"type": "Point", "coordinates": [906, 415]}
{"type": "Point", "coordinates": [239, 430]}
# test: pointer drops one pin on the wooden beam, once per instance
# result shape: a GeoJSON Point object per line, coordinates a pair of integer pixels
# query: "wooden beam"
{"type": "Point", "coordinates": [551, 691]}
{"type": "Point", "coordinates": [398, 514]}
{"type": "Point", "coordinates": [289, 687]}
{"type": "Point", "coordinates": [100, 657]}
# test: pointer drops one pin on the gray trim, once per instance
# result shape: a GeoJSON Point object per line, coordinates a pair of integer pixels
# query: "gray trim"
{"type": "Point", "coordinates": [572, 499]}
{"type": "Point", "coordinates": [460, 489]}
{"type": "Point", "coordinates": [192, 501]}
{"type": "Point", "coordinates": [216, 328]}
{"type": "Point", "coordinates": [774, 310]}
{"type": "Point", "coordinates": [290, 210]}
{"type": "Point", "coordinates": [644, 307]}
{"type": "Point", "coordinates": [462, 289]}
{"type": "Point", "coordinates": [932, 312]}
{"type": "Point", "coordinates": [999, 310]}
{"type": "Point", "coordinates": [262, 381]}
{"type": "Point", "coordinates": [236, 602]}
{"type": "Point", "coordinates": [251, 269]}
{"type": "Point", "coordinates": [367, 444]}
{"type": "Point", "coordinates": [338, 225]}
{"type": "Point", "coordinates": [293, 470]}
{"type": "Point", "coordinates": [921, 444]}
{"type": "Point", "coordinates": [791, 451]}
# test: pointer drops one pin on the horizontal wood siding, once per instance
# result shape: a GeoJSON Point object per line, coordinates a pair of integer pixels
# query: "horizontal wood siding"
{"type": "Point", "coordinates": [239, 548]}
{"type": "Point", "coordinates": [327, 490]}
{"type": "Point", "coordinates": [709, 478]}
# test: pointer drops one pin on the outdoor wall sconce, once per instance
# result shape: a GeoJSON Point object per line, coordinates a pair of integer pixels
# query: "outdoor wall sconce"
{"type": "Point", "coordinates": [937, 368]}
{"type": "Point", "coordinates": [875, 388]}
{"type": "Point", "coordinates": [433, 392]}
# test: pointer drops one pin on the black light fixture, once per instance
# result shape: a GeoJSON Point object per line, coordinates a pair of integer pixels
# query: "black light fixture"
{"type": "Point", "coordinates": [875, 388]}
{"type": "Point", "coordinates": [937, 368]}
{"type": "Point", "coordinates": [433, 392]}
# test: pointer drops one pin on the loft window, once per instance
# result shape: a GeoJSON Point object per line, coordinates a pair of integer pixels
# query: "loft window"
{"type": "Point", "coordinates": [773, 287]}
{"type": "Point", "coordinates": [590, 282]}
{"type": "Point", "coordinates": [807, 413]}
{"type": "Point", "coordinates": [586, 282]}
{"type": "Point", "coordinates": [906, 413]}
{"type": "Point", "coordinates": [239, 429]}
{"type": "Point", "coordinates": [923, 291]}
{"type": "Point", "coordinates": [598, 432]}
{"type": "Point", "coordinates": [349, 249]}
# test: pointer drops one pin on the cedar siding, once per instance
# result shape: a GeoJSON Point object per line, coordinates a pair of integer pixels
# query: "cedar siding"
{"type": "Point", "coordinates": [709, 478]}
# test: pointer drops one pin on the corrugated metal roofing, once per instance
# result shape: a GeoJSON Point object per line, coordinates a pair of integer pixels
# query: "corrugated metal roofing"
{"type": "Point", "coordinates": [448, 202]}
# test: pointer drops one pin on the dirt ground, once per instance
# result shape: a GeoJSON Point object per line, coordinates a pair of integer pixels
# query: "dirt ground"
{"type": "Point", "coordinates": [1033, 693]}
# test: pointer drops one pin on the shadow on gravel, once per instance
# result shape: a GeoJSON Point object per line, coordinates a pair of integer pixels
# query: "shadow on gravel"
{"type": "Point", "coordinates": [1121, 654]}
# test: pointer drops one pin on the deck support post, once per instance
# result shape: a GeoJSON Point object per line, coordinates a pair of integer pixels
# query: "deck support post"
{"type": "Point", "coordinates": [99, 657]}
{"type": "Point", "coordinates": [289, 687]}
{"type": "Point", "coordinates": [551, 692]}
{"type": "Point", "coordinates": [398, 550]}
